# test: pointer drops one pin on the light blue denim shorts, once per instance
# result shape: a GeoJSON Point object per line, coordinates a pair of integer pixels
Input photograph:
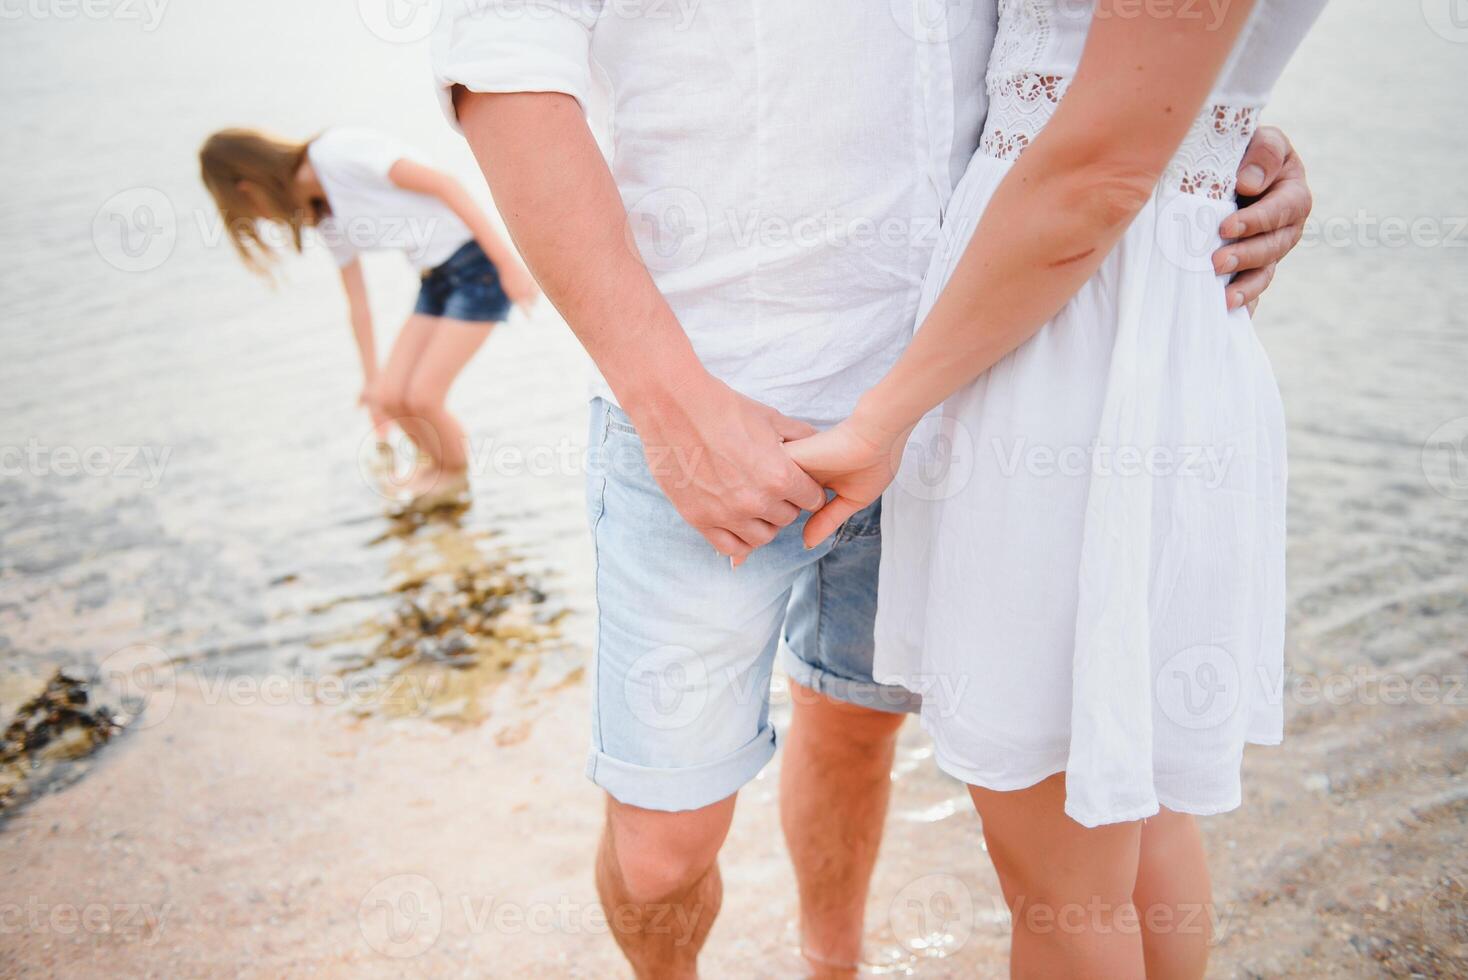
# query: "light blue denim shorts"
{"type": "Point", "coordinates": [686, 645]}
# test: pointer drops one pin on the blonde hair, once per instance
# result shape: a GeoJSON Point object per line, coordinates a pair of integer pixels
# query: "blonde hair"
{"type": "Point", "coordinates": [233, 157]}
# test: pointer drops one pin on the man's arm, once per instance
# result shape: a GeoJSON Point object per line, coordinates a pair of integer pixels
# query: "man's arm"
{"type": "Point", "coordinates": [727, 473]}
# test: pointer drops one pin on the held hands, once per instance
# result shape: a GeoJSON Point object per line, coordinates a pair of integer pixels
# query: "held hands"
{"type": "Point", "coordinates": [720, 458]}
{"type": "Point", "coordinates": [855, 461]}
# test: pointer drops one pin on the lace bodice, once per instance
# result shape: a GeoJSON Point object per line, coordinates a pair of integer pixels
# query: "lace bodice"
{"type": "Point", "coordinates": [1038, 48]}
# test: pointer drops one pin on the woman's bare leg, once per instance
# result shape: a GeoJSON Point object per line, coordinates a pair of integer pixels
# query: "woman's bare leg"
{"type": "Point", "coordinates": [1069, 888]}
{"type": "Point", "coordinates": [1174, 898]}
{"type": "Point", "coordinates": [409, 345]}
{"type": "Point", "coordinates": [450, 347]}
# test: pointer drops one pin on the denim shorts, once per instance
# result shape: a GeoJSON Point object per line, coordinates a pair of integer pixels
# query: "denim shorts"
{"type": "Point", "coordinates": [465, 286]}
{"type": "Point", "coordinates": [686, 645]}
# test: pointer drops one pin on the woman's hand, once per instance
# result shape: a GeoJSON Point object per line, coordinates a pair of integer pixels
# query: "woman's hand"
{"type": "Point", "coordinates": [855, 461]}
{"type": "Point", "coordinates": [519, 285]}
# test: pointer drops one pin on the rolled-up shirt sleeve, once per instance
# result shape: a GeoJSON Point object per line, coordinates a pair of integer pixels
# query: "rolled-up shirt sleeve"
{"type": "Point", "coordinates": [514, 46]}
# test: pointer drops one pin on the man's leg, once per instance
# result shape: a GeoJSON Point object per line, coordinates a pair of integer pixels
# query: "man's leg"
{"type": "Point", "coordinates": [835, 779]}
{"type": "Point", "coordinates": [680, 698]}
{"type": "Point", "coordinates": [835, 783]}
{"type": "Point", "coordinates": [658, 877]}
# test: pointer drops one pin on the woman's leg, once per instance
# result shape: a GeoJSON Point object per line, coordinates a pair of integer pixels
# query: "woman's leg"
{"type": "Point", "coordinates": [1069, 888]}
{"type": "Point", "coordinates": [1174, 898]}
{"type": "Point", "coordinates": [450, 347]}
{"type": "Point", "coordinates": [412, 340]}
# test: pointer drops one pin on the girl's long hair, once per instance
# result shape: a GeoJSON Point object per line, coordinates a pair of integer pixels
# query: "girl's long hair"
{"type": "Point", "coordinates": [269, 164]}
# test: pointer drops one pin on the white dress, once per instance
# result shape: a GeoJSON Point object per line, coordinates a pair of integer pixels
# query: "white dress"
{"type": "Point", "coordinates": [1083, 551]}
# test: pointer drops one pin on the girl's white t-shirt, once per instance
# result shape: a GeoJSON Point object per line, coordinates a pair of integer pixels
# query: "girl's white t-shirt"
{"type": "Point", "coordinates": [370, 212]}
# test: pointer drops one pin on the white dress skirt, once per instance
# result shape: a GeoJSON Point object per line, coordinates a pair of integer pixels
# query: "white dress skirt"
{"type": "Point", "coordinates": [1083, 551]}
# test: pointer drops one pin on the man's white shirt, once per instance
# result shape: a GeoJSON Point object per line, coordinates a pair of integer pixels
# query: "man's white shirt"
{"type": "Point", "coordinates": [784, 163]}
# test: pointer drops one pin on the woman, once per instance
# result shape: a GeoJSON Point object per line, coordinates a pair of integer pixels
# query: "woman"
{"type": "Point", "coordinates": [1097, 577]}
{"type": "Point", "coordinates": [361, 191]}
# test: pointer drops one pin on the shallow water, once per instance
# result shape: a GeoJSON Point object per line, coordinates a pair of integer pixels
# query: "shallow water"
{"type": "Point", "coordinates": [223, 524]}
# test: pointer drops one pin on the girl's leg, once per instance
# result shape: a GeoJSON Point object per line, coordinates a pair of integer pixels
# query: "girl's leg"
{"type": "Point", "coordinates": [402, 360]}
{"type": "Point", "coordinates": [450, 347]}
{"type": "Point", "coordinates": [1174, 898]}
{"type": "Point", "coordinates": [1069, 888]}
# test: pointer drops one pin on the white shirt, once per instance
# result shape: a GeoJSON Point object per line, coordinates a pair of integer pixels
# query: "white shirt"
{"type": "Point", "coordinates": [784, 163]}
{"type": "Point", "coordinates": [369, 211]}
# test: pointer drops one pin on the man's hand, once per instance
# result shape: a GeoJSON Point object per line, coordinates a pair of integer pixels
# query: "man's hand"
{"type": "Point", "coordinates": [1276, 201]}
{"type": "Point", "coordinates": [719, 457]}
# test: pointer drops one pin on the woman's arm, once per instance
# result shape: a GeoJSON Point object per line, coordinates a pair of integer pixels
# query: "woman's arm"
{"type": "Point", "coordinates": [360, 313]}
{"type": "Point", "coordinates": [519, 285]}
{"type": "Point", "coordinates": [1144, 76]}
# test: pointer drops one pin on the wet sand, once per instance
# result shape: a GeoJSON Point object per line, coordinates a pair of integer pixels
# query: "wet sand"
{"type": "Point", "coordinates": [339, 771]}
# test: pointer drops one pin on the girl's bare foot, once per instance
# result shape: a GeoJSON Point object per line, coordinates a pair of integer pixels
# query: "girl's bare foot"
{"type": "Point", "coordinates": [435, 488]}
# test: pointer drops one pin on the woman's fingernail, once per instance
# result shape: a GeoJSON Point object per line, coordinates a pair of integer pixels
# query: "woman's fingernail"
{"type": "Point", "coordinates": [1235, 300]}
{"type": "Point", "coordinates": [1252, 176]}
{"type": "Point", "coordinates": [1229, 264]}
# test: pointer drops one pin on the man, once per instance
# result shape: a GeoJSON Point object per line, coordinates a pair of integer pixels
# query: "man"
{"type": "Point", "coordinates": [747, 265]}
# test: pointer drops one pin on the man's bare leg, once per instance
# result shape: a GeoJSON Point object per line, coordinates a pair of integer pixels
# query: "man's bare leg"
{"type": "Point", "coordinates": [658, 877]}
{"type": "Point", "coordinates": [835, 781]}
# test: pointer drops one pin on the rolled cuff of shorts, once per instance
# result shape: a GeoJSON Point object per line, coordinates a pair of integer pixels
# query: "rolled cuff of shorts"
{"type": "Point", "coordinates": [687, 788]}
{"type": "Point", "coordinates": [495, 51]}
{"type": "Point", "coordinates": [863, 694]}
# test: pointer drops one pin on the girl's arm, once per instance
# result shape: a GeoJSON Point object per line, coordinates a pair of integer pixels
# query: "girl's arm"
{"type": "Point", "coordinates": [1145, 74]}
{"type": "Point", "coordinates": [421, 179]}
{"type": "Point", "coordinates": [354, 284]}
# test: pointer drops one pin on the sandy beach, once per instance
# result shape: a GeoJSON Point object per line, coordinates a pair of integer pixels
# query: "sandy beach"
{"type": "Point", "coordinates": [353, 746]}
